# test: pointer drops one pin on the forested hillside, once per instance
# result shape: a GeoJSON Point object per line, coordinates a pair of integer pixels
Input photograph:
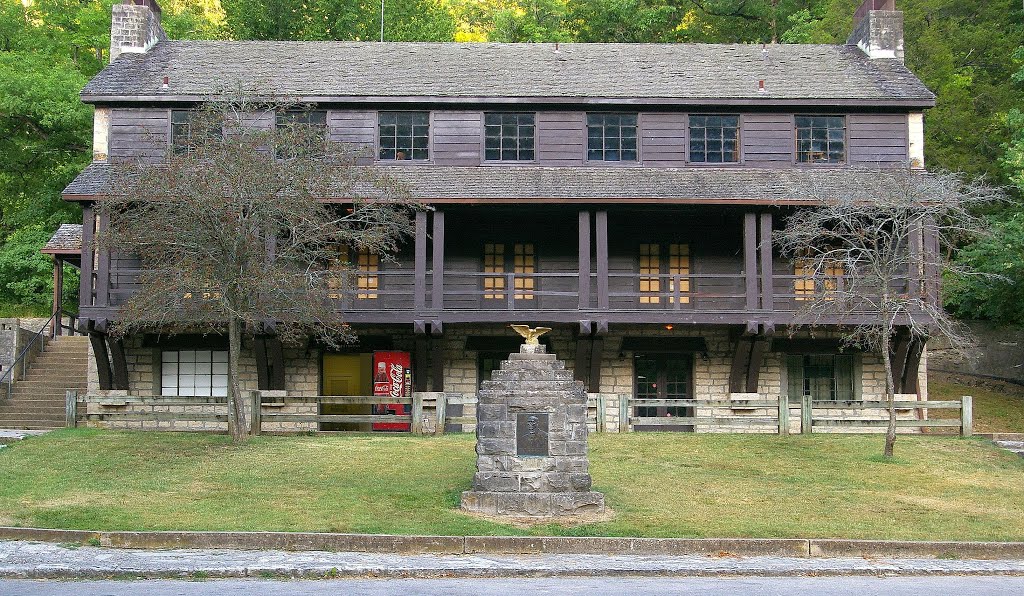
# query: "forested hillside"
{"type": "Point", "coordinates": [967, 51]}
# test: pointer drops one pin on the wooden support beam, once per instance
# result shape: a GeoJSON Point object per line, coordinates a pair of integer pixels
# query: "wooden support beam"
{"type": "Point", "coordinates": [757, 351]}
{"type": "Point", "coordinates": [581, 369]}
{"type": "Point", "coordinates": [584, 260]}
{"type": "Point", "coordinates": [767, 279]}
{"type": "Point", "coordinates": [420, 357]}
{"type": "Point", "coordinates": [85, 284]}
{"type": "Point", "coordinates": [58, 295]}
{"type": "Point", "coordinates": [103, 266]}
{"type": "Point", "coordinates": [750, 259]}
{"type": "Point", "coordinates": [909, 381]}
{"type": "Point", "coordinates": [275, 355]}
{"type": "Point", "coordinates": [601, 233]}
{"type": "Point", "coordinates": [914, 240]}
{"type": "Point", "coordinates": [596, 351]}
{"type": "Point", "coordinates": [420, 262]}
{"type": "Point", "coordinates": [99, 349]}
{"type": "Point", "coordinates": [437, 276]}
{"type": "Point", "coordinates": [898, 358]}
{"type": "Point", "coordinates": [437, 363]}
{"type": "Point", "coordinates": [740, 363]}
{"type": "Point", "coordinates": [259, 346]}
{"type": "Point", "coordinates": [118, 364]}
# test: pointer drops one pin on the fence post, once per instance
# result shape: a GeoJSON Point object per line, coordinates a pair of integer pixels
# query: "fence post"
{"type": "Point", "coordinates": [71, 408]}
{"type": "Point", "coordinates": [783, 415]}
{"type": "Point", "coordinates": [966, 416]}
{"type": "Point", "coordinates": [600, 413]}
{"type": "Point", "coordinates": [255, 413]}
{"type": "Point", "coordinates": [623, 413]}
{"type": "Point", "coordinates": [806, 414]}
{"type": "Point", "coordinates": [442, 414]}
{"type": "Point", "coordinates": [417, 413]}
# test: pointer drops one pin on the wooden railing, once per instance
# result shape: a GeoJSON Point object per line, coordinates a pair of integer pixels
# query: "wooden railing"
{"type": "Point", "coordinates": [767, 414]}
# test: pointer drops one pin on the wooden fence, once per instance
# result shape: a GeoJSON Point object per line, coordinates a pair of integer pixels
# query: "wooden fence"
{"type": "Point", "coordinates": [430, 413]}
{"type": "Point", "coordinates": [765, 414]}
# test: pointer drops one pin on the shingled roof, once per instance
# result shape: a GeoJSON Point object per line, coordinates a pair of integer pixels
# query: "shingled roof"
{"type": "Point", "coordinates": [66, 240]}
{"type": "Point", "coordinates": [516, 184]}
{"type": "Point", "coordinates": [493, 72]}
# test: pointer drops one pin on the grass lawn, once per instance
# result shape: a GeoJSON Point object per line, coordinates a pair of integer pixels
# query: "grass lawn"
{"type": "Point", "coordinates": [998, 406]}
{"type": "Point", "coordinates": [659, 485]}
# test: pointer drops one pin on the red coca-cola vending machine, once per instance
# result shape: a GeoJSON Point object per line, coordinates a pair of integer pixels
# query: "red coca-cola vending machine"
{"type": "Point", "coordinates": [392, 377]}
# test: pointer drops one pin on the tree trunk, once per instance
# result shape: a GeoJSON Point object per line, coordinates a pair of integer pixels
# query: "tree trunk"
{"type": "Point", "coordinates": [236, 409]}
{"type": "Point", "coordinates": [890, 391]}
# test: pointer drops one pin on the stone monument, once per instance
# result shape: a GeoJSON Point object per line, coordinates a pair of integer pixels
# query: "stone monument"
{"type": "Point", "coordinates": [531, 439]}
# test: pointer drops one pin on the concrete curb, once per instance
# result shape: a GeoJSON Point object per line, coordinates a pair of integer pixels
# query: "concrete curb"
{"type": "Point", "coordinates": [482, 545]}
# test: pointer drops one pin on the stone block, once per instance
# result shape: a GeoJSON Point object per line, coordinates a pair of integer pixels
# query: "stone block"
{"type": "Point", "coordinates": [496, 482]}
{"type": "Point", "coordinates": [574, 503]}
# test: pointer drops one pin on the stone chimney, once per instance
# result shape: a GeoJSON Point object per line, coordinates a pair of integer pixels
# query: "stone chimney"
{"type": "Point", "coordinates": [135, 27]}
{"type": "Point", "coordinates": [878, 29]}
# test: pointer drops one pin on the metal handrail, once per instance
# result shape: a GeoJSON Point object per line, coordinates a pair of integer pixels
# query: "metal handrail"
{"type": "Point", "coordinates": [22, 357]}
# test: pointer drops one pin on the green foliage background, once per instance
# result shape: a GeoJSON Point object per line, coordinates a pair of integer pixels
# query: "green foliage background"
{"type": "Point", "coordinates": [966, 51]}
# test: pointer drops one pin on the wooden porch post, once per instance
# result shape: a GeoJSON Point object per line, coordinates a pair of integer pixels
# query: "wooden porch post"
{"type": "Point", "coordinates": [767, 282]}
{"type": "Point", "coordinates": [437, 277]}
{"type": "Point", "coordinates": [584, 259]}
{"type": "Point", "coordinates": [58, 294]}
{"type": "Point", "coordinates": [85, 289]}
{"type": "Point", "coordinates": [601, 231]}
{"type": "Point", "coordinates": [750, 259]}
{"type": "Point", "coordinates": [420, 288]}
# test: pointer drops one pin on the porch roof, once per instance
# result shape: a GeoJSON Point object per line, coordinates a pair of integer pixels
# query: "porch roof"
{"type": "Point", "coordinates": [67, 240]}
{"type": "Point", "coordinates": [516, 184]}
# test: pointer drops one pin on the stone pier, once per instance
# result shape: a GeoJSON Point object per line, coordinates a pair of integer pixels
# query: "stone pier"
{"type": "Point", "coordinates": [532, 441]}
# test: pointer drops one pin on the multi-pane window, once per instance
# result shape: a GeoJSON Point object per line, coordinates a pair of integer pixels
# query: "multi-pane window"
{"type": "Point", "coordinates": [194, 373]}
{"type": "Point", "coordinates": [314, 119]}
{"type": "Point", "coordinates": [662, 376]}
{"type": "Point", "coordinates": [611, 137]}
{"type": "Point", "coordinates": [660, 275]}
{"type": "Point", "coordinates": [806, 287]}
{"type": "Point", "coordinates": [404, 135]}
{"type": "Point", "coordinates": [366, 265]}
{"type": "Point", "coordinates": [508, 136]}
{"type": "Point", "coordinates": [187, 125]}
{"type": "Point", "coordinates": [820, 139]}
{"type": "Point", "coordinates": [523, 265]}
{"type": "Point", "coordinates": [822, 376]}
{"type": "Point", "coordinates": [714, 139]}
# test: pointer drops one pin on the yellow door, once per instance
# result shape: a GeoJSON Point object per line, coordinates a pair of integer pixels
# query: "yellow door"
{"type": "Point", "coordinates": [346, 374]}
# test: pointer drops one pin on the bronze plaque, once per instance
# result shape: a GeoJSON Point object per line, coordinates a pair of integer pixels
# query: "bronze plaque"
{"type": "Point", "coordinates": [532, 434]}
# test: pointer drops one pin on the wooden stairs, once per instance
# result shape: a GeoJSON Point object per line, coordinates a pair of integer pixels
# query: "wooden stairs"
{"type": "Point", "coordinates": [38, 400]}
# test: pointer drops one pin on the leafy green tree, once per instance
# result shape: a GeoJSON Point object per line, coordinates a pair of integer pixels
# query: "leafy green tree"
{"type": "Point", "coordinates": [404, 20]}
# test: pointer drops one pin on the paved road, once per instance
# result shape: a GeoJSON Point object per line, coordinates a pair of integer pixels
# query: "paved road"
{"type": "Point", "coordinates": [594, 586]}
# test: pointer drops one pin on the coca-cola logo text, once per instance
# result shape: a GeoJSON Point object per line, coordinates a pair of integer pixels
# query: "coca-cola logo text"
{"type": "Point", "coordinates": [397, 377]}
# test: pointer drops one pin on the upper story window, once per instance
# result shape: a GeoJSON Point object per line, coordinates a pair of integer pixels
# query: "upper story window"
{"type": "Point", "coordinates": [611, 137]}
{"type": "Point", "coordinates": [508, 136]}
{"type": "Point", "coordinates": [404, 135]}
{"type": "Point", "coordinates": [820, 139]}
{"type": "Point", "coordinates": [316, 120]}
{"type": "Point", "coordinates": [660, 275]}
{"type": "Point", "coordinates": [714, 139]}
{"type": "Point", "coordinates": [187, 125]}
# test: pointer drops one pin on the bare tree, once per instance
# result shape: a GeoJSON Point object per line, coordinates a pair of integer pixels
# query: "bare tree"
{"type": "Point", "coordinates": [236, 231]}
{"type": "Point", "coordinates": [870, 257]}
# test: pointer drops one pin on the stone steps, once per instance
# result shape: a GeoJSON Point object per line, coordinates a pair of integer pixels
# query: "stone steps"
{"type": "Point", "coordinates": [531, 375]}
{"type": "Point", "coordinates": [37, 401]}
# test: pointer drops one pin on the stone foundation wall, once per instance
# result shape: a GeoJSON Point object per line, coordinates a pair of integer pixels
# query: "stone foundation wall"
{"type": "Point", "coordinates": [710, 380]}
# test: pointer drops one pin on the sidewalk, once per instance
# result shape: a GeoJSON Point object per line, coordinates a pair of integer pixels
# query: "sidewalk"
{"type": "Point", "coordinates": [55, 561]}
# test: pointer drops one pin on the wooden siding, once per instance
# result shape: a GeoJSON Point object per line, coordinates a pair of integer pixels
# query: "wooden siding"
{"type": "Point", "coordinates": [139, 132]}
{"type": "Point", "coordinates": [877, 139]}
{"type": "Point", "coordinates": [663, 139]}
{"type": "Point", "coordinates": [767, 140]}
{"type": "Point", "coordinates": [358, 128]}
{"type": "Point", "coordinates": [561, 138]}
{"type": "Point", "coordinates": [456, 138]}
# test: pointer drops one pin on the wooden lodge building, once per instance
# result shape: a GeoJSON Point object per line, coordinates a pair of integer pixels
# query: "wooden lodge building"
{"type": "Point", "coordinates": [623, 194]}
